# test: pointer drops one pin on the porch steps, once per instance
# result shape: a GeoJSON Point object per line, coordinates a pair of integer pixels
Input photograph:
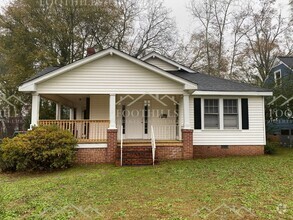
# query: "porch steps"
{"type": "Point", "coordinates": [135, 155]}
{"type": "Point", "coordinates": [139, 152]}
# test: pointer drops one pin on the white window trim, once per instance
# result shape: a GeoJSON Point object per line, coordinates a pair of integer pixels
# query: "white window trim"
{"type": "Point", "coordinates": [238, 110]}
{"type": "Point", "coordinates": [203, 114]}
{"type": "Point", "coordinates": [221, 115]}
{"type": "Point", "coordinates": [275, 78]}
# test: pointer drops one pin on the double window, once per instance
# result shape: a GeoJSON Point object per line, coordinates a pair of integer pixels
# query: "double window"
{"type": "Point", "coordinates": [221, 113]}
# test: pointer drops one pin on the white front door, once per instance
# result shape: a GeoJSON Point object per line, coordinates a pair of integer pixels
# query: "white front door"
{"type": "Point", "coordinates": [134, 120]}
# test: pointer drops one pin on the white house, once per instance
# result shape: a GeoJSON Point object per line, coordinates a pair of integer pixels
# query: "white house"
{"type": "Point", "coordinates": [115, 97]}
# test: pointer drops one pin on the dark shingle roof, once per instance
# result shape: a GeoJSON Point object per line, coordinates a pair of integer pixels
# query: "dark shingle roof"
{"type": "Point", "coordinates": [42, 73]}
{"type": "Point", "coordinates": [287, 60]}
{"type": "Point", "coordinates": [211, 83]}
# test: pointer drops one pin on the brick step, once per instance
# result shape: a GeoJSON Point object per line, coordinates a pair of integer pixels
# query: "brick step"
{"type": "Point", "coordinates": [135, 155]}
{"type": "Point", "coordinates": [128, 162]}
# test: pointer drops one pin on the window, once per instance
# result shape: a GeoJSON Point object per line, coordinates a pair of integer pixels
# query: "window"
{"type": "Point", "coordinates": [211, 113]}
{"type": "Point", "coordinates": [231, 113]}
{"type": "Point", "coordinates": [221, 113]}
{"type": "Point", "coordinates": [277, 77]}
{"type": "Point", "coordinates": [146, 116]}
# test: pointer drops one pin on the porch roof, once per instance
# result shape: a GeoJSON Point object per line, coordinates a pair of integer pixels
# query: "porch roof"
{"type": "Point", "coordinates": [211, 83]}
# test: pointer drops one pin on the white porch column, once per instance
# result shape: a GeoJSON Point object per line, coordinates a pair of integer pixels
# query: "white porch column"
{"type": "Point", "coordinates": [186, 121]}
{"type": "Point", "coordinates": [58, 111]}
{"type": "Point", "coordinates": [35, 110]}
{"type": "Point", "coordinates": [71, 114]}
{"type": "Point", "coordinates": [112, 111]}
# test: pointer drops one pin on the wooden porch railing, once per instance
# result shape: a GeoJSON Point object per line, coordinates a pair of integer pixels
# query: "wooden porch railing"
{"type": "Point", "coordinates": [86, 131]}
{"type": "Point", "coordinates": [166, 132]}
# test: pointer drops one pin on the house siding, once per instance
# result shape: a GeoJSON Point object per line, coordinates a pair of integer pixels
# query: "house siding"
{"type": "Point", "coordinates": [161, 64]}
{"type": "Point", "coordinates": [110, 74]}
{"type": "Point", "coordinates": [255, 135]}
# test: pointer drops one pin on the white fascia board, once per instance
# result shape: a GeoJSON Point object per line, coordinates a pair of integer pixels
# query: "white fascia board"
{"type": "Point", "coordinates": [220, 93]}
{"type": "Point", "coordinates": [154, 54]}
{"type": "Point", "coordinates": [29, 87]}
{"type": "Point", "coordinates": [99, 55]}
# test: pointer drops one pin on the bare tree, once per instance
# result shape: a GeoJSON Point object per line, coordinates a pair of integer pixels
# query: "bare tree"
{"type": "Point", "coordinates": [238, 32]}
{"type": "Point", "coordinates": [204, 14]}
{"type": "Point", "coordinates": [144, 26]}
{"type": "Point", "coordinates": [215, 18]}
{"type": "Point", "coordinates": [221, 11]}
{"type": "Point", "coordinates": [156, 30]}
{"type": "Point", "coordinates": [263, 39]}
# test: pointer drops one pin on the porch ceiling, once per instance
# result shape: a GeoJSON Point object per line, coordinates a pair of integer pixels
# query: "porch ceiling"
{"type": "Point", "coordinates": [73, 101]}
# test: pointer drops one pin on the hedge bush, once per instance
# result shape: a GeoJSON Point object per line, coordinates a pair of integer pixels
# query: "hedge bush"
{"type": "Point", "coordinates": [42, 148]}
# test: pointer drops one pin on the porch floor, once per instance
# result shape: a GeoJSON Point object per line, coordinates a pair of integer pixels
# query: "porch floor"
{"type": "Point", "coordinates": [147, 142]}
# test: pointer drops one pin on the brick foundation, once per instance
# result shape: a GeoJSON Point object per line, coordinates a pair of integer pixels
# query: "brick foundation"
{"type": "Point", "coordinates": [169, 153]}
{"type": "Point", "coordinates": [230, 150]}
{"type": "Point", "coordinates": [91, 155]}
{"type": "Point", "coordinates": [111, 145]}
{"type": "Point", "coordinates": [187, 140]}
{"type": "Point", "coordinates": [164, 153]}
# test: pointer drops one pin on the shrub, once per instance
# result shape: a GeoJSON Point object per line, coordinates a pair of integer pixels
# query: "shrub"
{"type": "Point", "coordinates": [270, 148]}
{"type": "Point", "coordinates": [42, 148]}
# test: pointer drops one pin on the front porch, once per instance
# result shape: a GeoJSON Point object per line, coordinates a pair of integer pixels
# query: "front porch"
{"type": "Point", "coordinates": [133, 115]}
{"type": "Point", "coordinates": [103, 122]}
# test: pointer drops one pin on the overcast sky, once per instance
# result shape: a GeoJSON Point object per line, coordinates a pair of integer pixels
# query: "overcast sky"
{"type": "Point", "coordinates": [182, 15]}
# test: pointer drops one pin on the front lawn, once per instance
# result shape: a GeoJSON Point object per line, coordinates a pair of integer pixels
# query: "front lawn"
{"type": "Point", "coordinates": [225, 188]}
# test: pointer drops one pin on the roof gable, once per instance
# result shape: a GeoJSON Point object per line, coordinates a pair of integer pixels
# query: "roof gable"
{"type": "Point", "coordinates": [30, 85]}
{"type": "Point", "coordinates": [150, 57]}
{"type": "Point", "coordinates": [110, 74]}
{"type": "Point", "coordinates": [288, 61]}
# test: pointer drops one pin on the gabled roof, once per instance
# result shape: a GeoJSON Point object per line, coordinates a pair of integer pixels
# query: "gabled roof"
{"type": "Point", "coordinates": [211, 83]}
{"type": "Point", "coordinates": [287, 60]}
{"type": "Point", "coordinates": [167, 60]}
{"type": "Point", "coordinates": [55, 71]}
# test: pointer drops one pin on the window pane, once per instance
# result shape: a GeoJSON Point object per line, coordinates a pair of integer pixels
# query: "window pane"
{"type": "Point", "coordinates": [211, 121]}
{"type": "Point", "coordinates": [230, 106]}
{"type": "Point", "coordinates": [211, 106]}
{"type": "Point", "coordinates": [231, 121]}
{"type": "Point", "coordinates": [211, 116]}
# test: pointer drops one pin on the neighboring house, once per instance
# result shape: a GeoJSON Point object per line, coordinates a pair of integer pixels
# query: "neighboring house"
{"type": "Point", "coordinates": [114, 96]}
{"type": "Point", "coordinates": [279, 107]}
{"type": "Point", "coordinates": [281, 70]}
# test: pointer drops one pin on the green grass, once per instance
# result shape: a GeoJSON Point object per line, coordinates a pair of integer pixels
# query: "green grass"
{"type": "Point", "coordinates": [198, 189]}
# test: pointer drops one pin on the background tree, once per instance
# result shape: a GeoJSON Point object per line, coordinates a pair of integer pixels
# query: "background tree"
{"type": "Point", "coordinates": [263, 39]}
{"type": "Point", "coordinates": [34, 35]}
